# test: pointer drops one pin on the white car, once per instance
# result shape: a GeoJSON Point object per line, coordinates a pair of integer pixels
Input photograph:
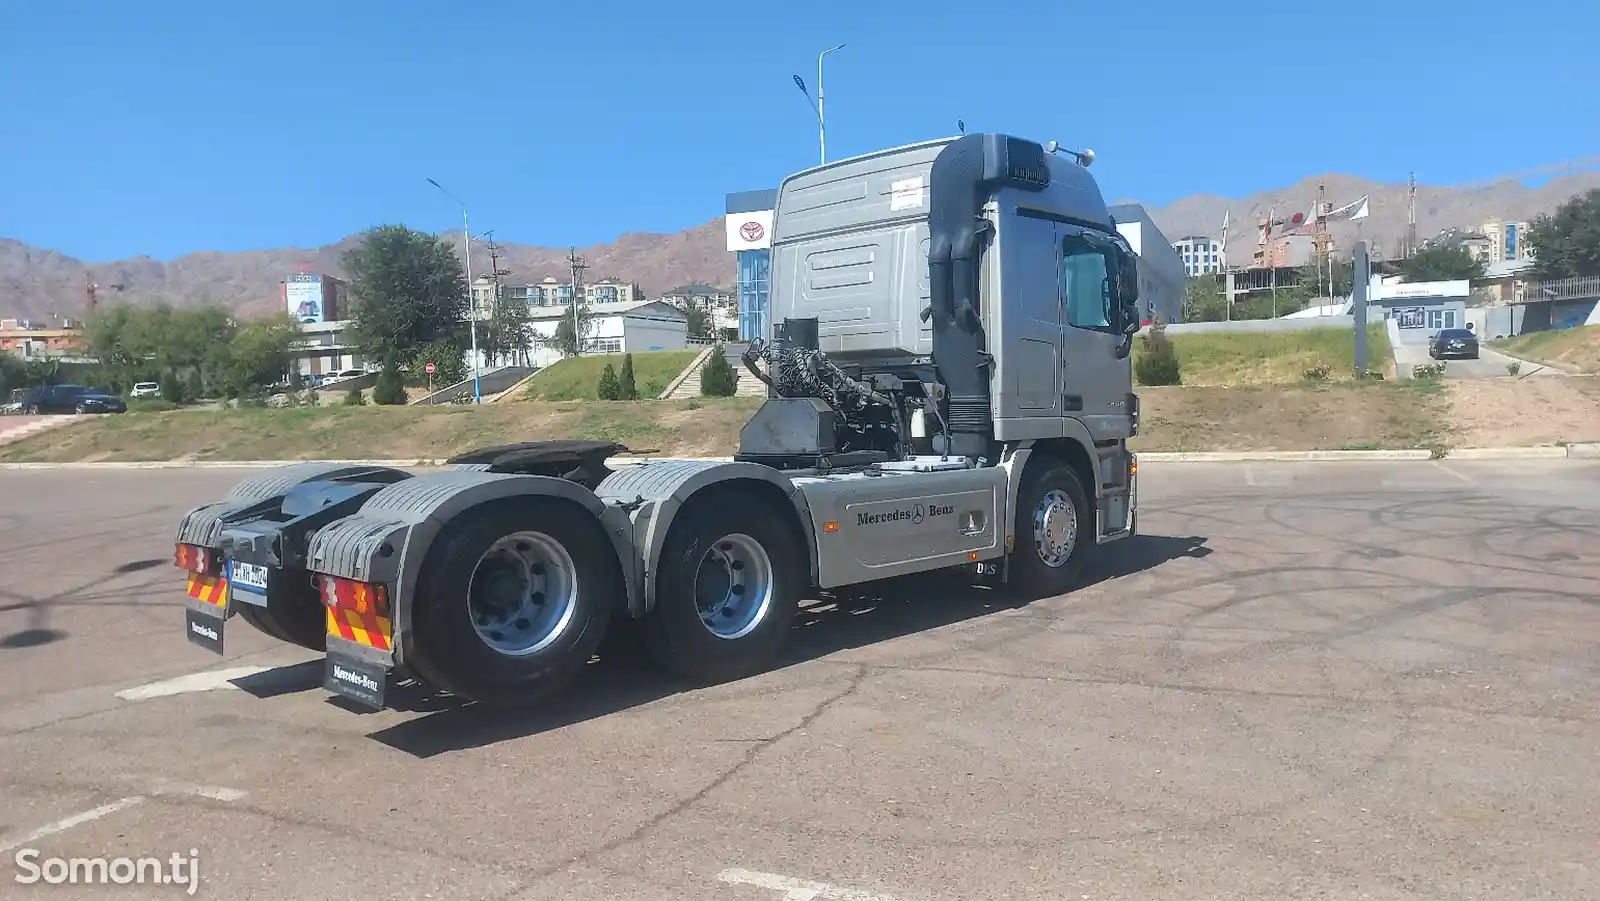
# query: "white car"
{"type": "Point", "coordinates": [145, 389]}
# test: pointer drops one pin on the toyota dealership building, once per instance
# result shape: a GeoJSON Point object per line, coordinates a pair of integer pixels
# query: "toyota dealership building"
{"type": "Point", "coordinates": [749, 226]}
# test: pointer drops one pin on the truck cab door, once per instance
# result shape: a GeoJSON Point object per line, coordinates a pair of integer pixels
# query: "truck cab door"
{"type": "Point", "coordinates": [1096, 380]}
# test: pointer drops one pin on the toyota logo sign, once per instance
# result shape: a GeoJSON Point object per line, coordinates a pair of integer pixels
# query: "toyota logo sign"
{"type": "Point", "coordinates": [751, 231]}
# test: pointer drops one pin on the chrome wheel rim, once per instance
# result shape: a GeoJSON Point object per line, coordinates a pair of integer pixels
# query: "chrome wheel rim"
{"type": "Point", "coordinates": [522, 594]}
{"type": "Point", "coordinates": [733, 586]}
{"type": "Point", "coordinates": [1055, 528]}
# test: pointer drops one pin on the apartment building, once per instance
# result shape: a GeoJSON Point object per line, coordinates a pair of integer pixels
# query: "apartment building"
{"type": "Point", "coordinates": [1201, 255]}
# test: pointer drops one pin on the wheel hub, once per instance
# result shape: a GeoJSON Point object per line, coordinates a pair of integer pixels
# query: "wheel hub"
{"type": "Point", "coordinates": [733, 586]}
{"type": "Point", "coordinates": [1055, 528]}
{"type": "Point", "coordinates": [522, 594]}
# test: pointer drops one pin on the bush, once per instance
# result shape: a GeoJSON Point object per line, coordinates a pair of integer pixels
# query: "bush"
{"type": "Point", "coordinates": [717, 378]}
{"type": "Point", "coordinates": [1317, 373]}
{"type": "Point", "coordinates": [1429, 372]}
{"type": "Point", "coordinates": [1513, 367]}
{"type": "Point", "coordinates": [628, 389]}
{"type": "Point", "coordinates": [354, 398]}
{"type": "Point", "coordinates": [1158, 360]}
{"type": "Point", "coordinates": [609, 387]}
{"type": "Point", "coordinates": [652, 389]}
{"type": "Point", "coordinates": [389, 390]}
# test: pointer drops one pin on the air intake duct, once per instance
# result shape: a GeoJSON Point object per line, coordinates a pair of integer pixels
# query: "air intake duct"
{"type": "Point", "coordinates": [963, 175]}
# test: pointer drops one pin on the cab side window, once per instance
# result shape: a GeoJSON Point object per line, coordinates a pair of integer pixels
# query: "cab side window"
{"type": "Point", "coordinates": [1088, 290]}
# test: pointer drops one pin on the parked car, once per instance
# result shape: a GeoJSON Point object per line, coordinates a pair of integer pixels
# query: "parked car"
{"type": "Point", "coordinates": [145, 389]}
{"type": "Point", "coordinates": [1454, 342]}
{"type": "Point", "coordinates": [69, 399]}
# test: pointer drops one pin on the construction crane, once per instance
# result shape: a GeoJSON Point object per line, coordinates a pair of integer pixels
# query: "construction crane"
{"type": "Point", "coordinates": [92, 293]}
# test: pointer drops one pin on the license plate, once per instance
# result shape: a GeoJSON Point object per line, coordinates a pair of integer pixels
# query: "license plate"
{"type": "Point", "coordinates": [358, 680]}
{"type": "Point", "coordinates": [205, 631]}
{"type": "Point", "coordinates": [248, 574]}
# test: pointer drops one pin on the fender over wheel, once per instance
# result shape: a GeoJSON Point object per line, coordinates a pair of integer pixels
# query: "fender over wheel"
{"type": "Point", "coordinates": [728, 587]}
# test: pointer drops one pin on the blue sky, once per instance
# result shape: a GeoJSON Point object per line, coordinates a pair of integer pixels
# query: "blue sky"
{"type": "Point", "coordinates": [171, 126]}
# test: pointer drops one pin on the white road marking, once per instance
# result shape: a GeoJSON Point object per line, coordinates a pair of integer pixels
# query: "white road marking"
{"type": "Point", "coordinates": [215, 792]}
{"type": "Point", "coordinates": [1460, 475]}
{"type": "Point", "coordinates": [165, 787]}
{"type": "Point", "coordinates": [77, 819]}
{"type": "Point", "coordinates": [209, 681]}
{"type": "Point", "coordinates": [797, 889]}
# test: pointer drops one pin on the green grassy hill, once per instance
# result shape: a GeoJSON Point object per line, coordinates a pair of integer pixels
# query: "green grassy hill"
{"type": "Point", "coordinates": [1575, 347]}
{"type": "Point", "coordinates": [1243, 359]}
{"type": "Point", "coordinates": [575, 378]}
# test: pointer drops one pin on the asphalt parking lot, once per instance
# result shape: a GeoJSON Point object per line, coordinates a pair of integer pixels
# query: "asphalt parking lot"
{"type": "Point", "coordinates": [1339, 680]}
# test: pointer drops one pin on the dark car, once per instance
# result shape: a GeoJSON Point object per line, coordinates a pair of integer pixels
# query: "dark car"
{"type": "Point", "coordinates": [71, 399]}
{"type": "Point", "coordinates": [1454, 342]}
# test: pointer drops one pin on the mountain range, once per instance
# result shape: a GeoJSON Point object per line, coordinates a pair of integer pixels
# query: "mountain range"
{"type": "Point", "coordinates": [42, 284]}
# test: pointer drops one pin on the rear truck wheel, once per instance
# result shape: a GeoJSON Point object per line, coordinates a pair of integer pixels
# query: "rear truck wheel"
{"type": "Point", "coordinates": [1054, 528]}
{"type": "Point", "coordinates": [297, 617]}
{"type": "Point", "coordinates": [513, 601]}
{"type": "Point", "coordinates": [727, 590]}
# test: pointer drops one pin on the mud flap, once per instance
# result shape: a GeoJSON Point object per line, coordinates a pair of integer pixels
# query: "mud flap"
{"type": "Point", "coordinates": [356, 672]}
{"type": "Point", "coordinates": [206, 611]}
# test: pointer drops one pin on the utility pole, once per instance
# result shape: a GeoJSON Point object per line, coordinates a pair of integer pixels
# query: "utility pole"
{"type": "Point", "coordinates": [1411, 215]}
{"type": "Point", "coordinates": [577, 265]}
{"type": "Point", "coordinates": [495, 272]}
{"type": "Point", "coordinates": [1362, 279]}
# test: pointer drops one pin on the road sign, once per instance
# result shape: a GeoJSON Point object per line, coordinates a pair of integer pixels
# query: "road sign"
{"type": "Point", "coordinates": [430, 369]}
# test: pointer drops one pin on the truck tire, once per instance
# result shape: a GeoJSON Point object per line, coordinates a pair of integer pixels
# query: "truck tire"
{"type": "Point", "coordinates": [513, 600]}
{"type": "Point", "coordinates": [727, 590]}
{"type": "Point", "coordinates": [298, 618]}
{"type": "Point", "coordinates": [1054, 526]}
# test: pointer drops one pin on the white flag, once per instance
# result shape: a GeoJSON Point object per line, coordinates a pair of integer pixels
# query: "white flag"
{"type": "Point", "coordinates": [1357, 210]}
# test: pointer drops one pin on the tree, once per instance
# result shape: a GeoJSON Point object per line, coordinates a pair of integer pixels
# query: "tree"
{"type": "Point", "coordinates": [261, 352]}
{"type": "Point", "coordinates": [563, 339]}
{"type": "Point", "coordinates": [449, 364]}
{"type": "Point", "coordinates": [717, 378]}
{"type": "Point", "coordinates": [406, 290]}
{"type": "Point", "coordinates": [1203, 300]}
{"type": "Point", "coordinates": [1314, 275]}
{"type": "Point", "coordinates": [193, 346]}
{"type": "Point", "coordinates": [1441, 263]}
{"type": "Point", "coordinates": [699, 319]}
{"type": "Point", "coordinates": [505, 335]}
{"type": "Point", "coordinates": [1568, 243]}
{"type": "Point", "coordinates": [609, 388]}
{"type": "Point", "coordinates": [628, 388]}
{"type": "Point", "coordinates": [1158, 358]}
{"type": "Point", "coordinates": [389, 390]}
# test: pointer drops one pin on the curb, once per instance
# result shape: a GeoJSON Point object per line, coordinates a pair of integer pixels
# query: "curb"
{"type": "Point", "coordinates": [1568, 452]}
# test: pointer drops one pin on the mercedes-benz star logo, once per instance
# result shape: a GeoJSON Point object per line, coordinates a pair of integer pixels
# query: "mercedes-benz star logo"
{"type": "Point", "coordinates": [916, 515]}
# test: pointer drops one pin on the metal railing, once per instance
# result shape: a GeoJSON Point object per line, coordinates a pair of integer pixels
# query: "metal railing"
{"type": "Point", "coordinates": [1581, 287]}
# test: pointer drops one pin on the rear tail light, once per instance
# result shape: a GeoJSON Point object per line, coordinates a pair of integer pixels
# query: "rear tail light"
{"type": "Point", "coordinates": [363, 598]}
{"type": "Point", "coordinates": [197, 559]}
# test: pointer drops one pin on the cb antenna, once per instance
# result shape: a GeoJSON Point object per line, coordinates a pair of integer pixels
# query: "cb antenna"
{"type": "Point", "coordinates": [1084, 156]}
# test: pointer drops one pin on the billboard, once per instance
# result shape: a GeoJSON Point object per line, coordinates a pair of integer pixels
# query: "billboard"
{"type": "Point", "coordinates": [302, 294]}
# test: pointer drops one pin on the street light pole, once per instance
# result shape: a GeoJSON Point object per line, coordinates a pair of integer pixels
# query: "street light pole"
{"type": "Point", "coordinates": [472, 306]}
{"type": "Point", "coordinates": [822, 119]}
